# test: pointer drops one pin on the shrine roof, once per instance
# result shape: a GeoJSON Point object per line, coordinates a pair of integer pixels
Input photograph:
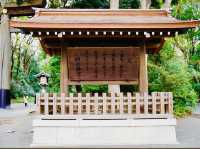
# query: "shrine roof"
{"type": "Point", "coordinates": [102, 19]}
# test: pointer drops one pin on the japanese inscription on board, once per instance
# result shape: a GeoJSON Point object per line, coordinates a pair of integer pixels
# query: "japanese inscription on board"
{"type": "Point", "coordinates": [103, 64]}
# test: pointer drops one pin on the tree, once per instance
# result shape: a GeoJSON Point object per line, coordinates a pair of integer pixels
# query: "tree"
{"type": "Point", "coordinates": [24, 67]}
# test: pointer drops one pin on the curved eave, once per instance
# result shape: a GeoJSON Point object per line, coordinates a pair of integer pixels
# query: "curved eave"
{"type": "Point", "coordinates": [38, 25]}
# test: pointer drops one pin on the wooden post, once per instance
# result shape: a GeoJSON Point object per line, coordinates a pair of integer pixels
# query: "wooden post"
{"type": "Point", "coordinates": [5, 61]}
{"type": "Point", "coordinates": [167, 4]}
{"type": "Point", "coordinates": [145, 4]}
{"type": "Point", "coordinates": [143, 74]}
{"type": "Point", "coordinates": [114, 4]}
{"type": "Point", "coordinates": [64, 72]}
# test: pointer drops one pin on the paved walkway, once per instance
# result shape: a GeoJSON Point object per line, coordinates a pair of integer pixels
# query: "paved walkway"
{"type": "Point", "coordinates": [16, 128]}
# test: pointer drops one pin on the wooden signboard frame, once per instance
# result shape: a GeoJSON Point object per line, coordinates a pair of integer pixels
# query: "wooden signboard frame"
{"type": "Point", "coordinates": [67, 55]}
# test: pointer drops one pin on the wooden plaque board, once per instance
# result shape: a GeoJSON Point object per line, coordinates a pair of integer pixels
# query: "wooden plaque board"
{"type": "Point", "coordinates": [103, 64]}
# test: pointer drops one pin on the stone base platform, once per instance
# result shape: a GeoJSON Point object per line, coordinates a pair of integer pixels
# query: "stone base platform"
{"type": "Point", "coordinates": [85, 133]}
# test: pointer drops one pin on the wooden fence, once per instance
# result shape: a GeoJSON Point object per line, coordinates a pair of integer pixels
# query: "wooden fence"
{"type": "Point", "coordinates": [156, 105]}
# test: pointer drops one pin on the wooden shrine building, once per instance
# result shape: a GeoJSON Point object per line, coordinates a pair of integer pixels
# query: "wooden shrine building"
{"type": "Point", "coordinates": [103, 47]}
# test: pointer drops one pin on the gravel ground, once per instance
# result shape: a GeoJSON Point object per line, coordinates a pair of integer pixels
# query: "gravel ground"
{"type": "Point", "coordinates": [16, 128]}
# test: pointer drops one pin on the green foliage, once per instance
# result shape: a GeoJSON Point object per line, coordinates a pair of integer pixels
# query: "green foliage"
{"type": "Point", "coordinates": [24, 67]}
{"type": "Point", "coordinates": [129, 4]}
{"type": "Point", "coordinates": [186, 10]}
{"type": "Point", "coordinates": [94, 88]}
{"type": "Point", "coordinates": [90, 4]}
{"type": "Point", "coordinates": [157, 4]}
{"type": "Point", "coordinates": [170, 72]}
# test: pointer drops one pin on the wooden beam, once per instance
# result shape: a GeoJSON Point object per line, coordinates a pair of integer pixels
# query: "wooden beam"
{"type": "Point", "coordinates": [102, 82]}
{"type": "Point", "coordinates": [25, 8]}
{"type": "Point", "coordinates": [64, 72]}
{"type": "Point", "coordinates": [143, 74]}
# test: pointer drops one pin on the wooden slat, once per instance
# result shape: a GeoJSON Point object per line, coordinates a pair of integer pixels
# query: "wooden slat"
{"type": "Point", "coordinates": [96, 103]}
{"type": "Point", "coordinates": [104, 103]}
{"type": "Point", "coordinates": [145, 103]}
{"type": "Point", "coordinates": [129, 103]}
{"type": "Point", "coordinates": [71, 108]}
{"type": "Point", "coordinates": [54, 104]}
{"type": "Point", "coordinates": [112, 103]}
{"type": "Point", "coordinates": [121, 103]}
{"type": "Point", "coordinates": [88, 103]}
{"type": "Point", "coordinates": [62, 100]}
{"type": "Point", "coordinates": [162, 103]}
{"type": "Point", "coordinates": [153, 102]}
{"type": "Point", "coordinates": [137, 103]}
{"type": "Point", "coordinates": [46, 100]}
{"type": "Point", "coordinates": [79, 103]}
{"type": "Point", "coordinates": [170, 101]}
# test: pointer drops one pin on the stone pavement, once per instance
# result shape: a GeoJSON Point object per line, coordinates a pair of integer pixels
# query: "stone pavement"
{"type": "Point", "coordinates": [16, 128]}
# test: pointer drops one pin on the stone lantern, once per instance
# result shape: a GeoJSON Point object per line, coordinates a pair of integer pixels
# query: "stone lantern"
{"type": "Point", "coordinates": [43, 78]}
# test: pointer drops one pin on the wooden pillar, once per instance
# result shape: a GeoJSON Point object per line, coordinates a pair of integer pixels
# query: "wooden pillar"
{"type": "Point", "coordinates": [64, 72]}
{"type": "Point", "coordinates": [114, 4]}
{"type": "Point", "coordinates": [143, 74]}
{"type": "Point", "coordinates": [167, 4]}
{"type": "Point", "coordinates": [145, 4]}
{"type": "Point", "coordinates": [5, 61]}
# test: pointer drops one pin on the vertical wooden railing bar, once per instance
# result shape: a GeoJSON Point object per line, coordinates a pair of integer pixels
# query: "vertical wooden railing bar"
{"type": "Point", "coordinates": [162, 103]}
{"type": "Point", "coordinates": [129, 103]}
{"type": "Point", "coordinates": [137, 103]}
{"type": "Point", "coordinates": [121, 103]}
{"type": "Point", "coordinates": [145, 103]}
{"type": "Point", "coordinates": [71, 107]}
{"type": "Point", "coordinates": [156, 104]}
{"type": "Point", "coordinates": [170, 102]}
{"type": "Point", "coordinates": [62, 101]}
{"type": "Point", "coordinates": [46, 103]}
{"type": "Point", "coordinates": [88, 103]}
{"type": "Point", "coordinates": [96, 103]}
{"type": "Point", "coordinates": [112, 103]}
{"type": "Point", "coordinates": [104, 103]}
{"type": "Point", "coordinates": [54, 104]}
{"type": "Point", "coordinates": [79, 103]}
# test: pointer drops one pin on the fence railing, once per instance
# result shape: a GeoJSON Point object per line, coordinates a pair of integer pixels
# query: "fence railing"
{"type": "Point", "coordinates": [156, 105]}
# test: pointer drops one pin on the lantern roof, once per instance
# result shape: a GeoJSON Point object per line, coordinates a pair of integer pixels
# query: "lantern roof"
{"type": "Point", "coordinates": [42, 74]}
